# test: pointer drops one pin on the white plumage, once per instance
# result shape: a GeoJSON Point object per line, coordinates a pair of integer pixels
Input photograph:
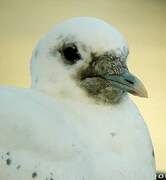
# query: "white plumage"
{"type": "Point", "coordinates": [57, 131]}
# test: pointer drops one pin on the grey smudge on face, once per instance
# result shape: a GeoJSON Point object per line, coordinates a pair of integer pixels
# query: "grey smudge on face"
{"type": "Point", "coordinates": [101, 90]}
{"type": "Point", "coordinates": [93, 79]}
{"type": "Point", "coordinates": [34, 174]}
{"type": "Point", "coordinates": [108, 64]}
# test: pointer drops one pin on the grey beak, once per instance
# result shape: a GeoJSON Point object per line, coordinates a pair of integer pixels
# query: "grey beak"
{"type": "Point", "coordinates": [129, 83]}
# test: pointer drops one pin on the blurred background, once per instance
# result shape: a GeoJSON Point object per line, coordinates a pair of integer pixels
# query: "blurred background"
{"type": "Point", "coordinates": [142, 22]}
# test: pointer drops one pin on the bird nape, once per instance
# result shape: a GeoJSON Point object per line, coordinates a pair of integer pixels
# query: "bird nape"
{"type": "Point", "coordinates": [76, 121]}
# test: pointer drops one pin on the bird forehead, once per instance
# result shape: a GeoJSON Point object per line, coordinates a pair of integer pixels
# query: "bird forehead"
{"type": "Point", "coordinates": [90, 32]}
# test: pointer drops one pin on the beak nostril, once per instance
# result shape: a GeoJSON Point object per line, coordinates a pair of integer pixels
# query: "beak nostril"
{"type": "Point", "coordinates": [129, 81]}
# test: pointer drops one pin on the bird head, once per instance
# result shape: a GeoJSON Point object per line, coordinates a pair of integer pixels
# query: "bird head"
{"type": "Point", "coordinates": [84, 58]}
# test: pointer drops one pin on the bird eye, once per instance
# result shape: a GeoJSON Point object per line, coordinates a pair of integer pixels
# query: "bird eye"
{"type": "Point", "coordinates": [71, 54]}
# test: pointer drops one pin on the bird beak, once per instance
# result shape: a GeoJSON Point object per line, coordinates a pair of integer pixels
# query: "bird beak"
{"type": "Point", "coordinates": [129, 83]}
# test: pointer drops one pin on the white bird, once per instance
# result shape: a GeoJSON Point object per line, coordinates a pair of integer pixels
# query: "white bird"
{"type": "Point", "coordinates": [76, 122]}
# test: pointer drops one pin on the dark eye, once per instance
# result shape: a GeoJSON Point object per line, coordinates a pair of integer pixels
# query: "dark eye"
{"type": "Point", "coordinates": [71, 54]}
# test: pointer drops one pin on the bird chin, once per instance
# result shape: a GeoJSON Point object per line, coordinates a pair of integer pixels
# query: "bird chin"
{"type": "Point", "coordinates": [101, 90]}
